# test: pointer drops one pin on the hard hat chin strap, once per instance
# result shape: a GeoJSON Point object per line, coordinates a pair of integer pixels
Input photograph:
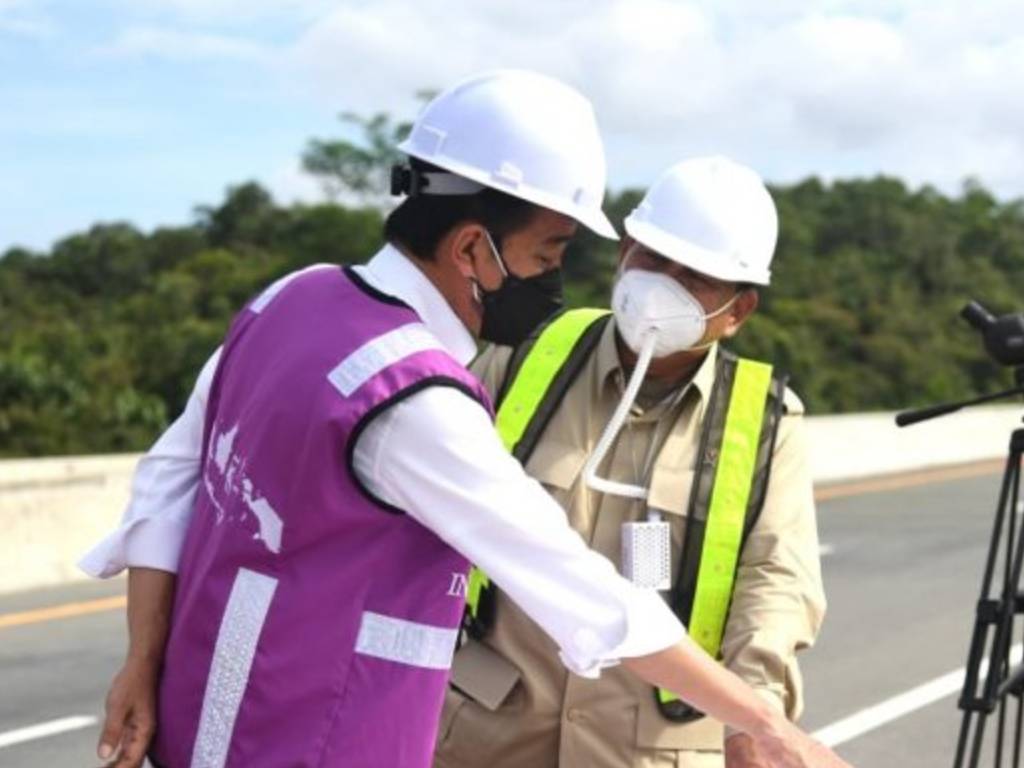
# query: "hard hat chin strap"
{"type": "Point", "coordinates": [406, 180]}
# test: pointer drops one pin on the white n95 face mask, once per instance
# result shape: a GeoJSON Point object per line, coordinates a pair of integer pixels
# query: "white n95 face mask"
{"type": "Point", "coordinates": [643, 301]}
{"type": "Point", "coordinates": [656, 316]}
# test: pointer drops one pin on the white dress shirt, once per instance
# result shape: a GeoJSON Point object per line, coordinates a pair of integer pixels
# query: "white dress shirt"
{"type": "Point", "coordinates": [437, 456]}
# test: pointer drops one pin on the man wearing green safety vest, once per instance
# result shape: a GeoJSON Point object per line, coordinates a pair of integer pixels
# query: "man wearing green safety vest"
{"type": "Point", "coordinates": [675, 459]}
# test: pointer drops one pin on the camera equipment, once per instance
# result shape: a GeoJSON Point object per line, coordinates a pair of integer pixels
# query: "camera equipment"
{"type": "Point", "coordinates": [1004, 336]}
{"type": "Point", "coordinates": [988, 686]}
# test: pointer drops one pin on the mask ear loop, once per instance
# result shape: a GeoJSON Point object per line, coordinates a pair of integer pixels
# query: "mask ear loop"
{"type": "Point", "coordinates": [724, 307]}
{"type": "Point", "coordinates": [716, 313]}
{"type": "Point", "coordinates": [497, 255]}
{"type": "Point", "coordinates": [618, 419]}
{"type": "Point", "coordinates": [477, 291]}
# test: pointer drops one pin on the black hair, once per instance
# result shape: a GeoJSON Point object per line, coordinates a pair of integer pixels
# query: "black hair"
{"type": "Point", "coordinates": [422, 220]}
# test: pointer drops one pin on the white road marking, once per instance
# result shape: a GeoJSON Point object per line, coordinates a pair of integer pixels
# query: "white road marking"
{"type": "Point", "coordinates": [42, 730]}
{"type": "Point", "coordinates": [859, 723]}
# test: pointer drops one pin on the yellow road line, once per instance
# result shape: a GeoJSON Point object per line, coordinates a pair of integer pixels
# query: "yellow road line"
{"type": "Point", "coordinates": [909, 479]}
{"type": "Point", "coordinates": [62, 611]}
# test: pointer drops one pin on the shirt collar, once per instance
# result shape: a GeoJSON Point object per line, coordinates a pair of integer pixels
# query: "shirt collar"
{"type": "Point", "coordinates": [392, 272]}
{"type": "Point", "coordinates": [609, 366]}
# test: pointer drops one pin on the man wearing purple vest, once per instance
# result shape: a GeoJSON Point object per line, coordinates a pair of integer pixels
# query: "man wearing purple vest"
{"type": "Point", "coordinates": [337, 465]}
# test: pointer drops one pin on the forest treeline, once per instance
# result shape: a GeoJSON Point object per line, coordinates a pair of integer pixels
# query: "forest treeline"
{"type": "Point", "coordinates": [103, 335]}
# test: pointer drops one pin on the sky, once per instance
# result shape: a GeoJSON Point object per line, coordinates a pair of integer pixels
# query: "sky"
{"type": "Point", "coordinates": [140, 110]}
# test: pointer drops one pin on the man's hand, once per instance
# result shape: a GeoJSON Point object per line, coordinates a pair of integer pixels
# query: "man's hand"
{"type": "Point", "coordinates": [131, 715]}
{"type": "Point", "coordinates": [741, 752]}
{"type": "Point", "coordinates": [783, 745]}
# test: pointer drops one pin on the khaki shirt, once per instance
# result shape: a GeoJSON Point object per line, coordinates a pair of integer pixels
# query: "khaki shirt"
{"type": "Point", "coordinates": [553, 718]}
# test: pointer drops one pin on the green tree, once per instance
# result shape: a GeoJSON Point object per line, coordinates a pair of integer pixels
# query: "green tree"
{"type": "Point", "coordinates": [360, 168]}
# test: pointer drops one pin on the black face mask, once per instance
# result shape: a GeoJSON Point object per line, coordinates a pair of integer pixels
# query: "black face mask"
{"type": "Point", "coordinates": [519, 305]}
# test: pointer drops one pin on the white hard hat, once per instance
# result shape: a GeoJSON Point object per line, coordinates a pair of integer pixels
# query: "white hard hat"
{"type": "Point", "coordinates": [522, 133]}
{"type": "Point", "coordinates": [710, 214]}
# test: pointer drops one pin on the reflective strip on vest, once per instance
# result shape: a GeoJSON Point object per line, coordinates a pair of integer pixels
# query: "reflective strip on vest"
{"type": "Point", "coordinates": [233, 655]}
{"type": "Point", "coordinates": [545, 359]}
{"type": "Point", "coordinates": [478, 582]}
{"type": "Point", "coordinates": [727, 514]}
{"type": "Point", "coordinates": [406, 642]}
{"type": "Point", "coordinates": [542, 364]}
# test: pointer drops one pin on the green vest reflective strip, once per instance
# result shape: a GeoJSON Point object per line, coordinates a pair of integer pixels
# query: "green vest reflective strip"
{"type": "Point", "coordinates": [727, 515]}
{"type": "Point", "coordinates": [546, 358]}
{"type": "Point", "coordinates": [550, 366]}
{"type": "Point", "coordinates": [478, 584]}
{"type": "Point", "coordinates": [729, 504]}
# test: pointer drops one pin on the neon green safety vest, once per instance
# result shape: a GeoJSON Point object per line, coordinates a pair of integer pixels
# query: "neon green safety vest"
{"type": "Point", "coordinates": [734, 459]}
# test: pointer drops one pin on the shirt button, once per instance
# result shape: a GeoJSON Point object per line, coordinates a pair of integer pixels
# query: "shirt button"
{"type": "Point", "coordinates": [574, 716]}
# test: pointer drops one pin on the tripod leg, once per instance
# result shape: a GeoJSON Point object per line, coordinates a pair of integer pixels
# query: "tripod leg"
{"type": "Point", "coordinates": [961, 743]}
{"type": "Point", "coordinates": [1009, 604]}
{"type": "Point", "coordinates": [1017, 733]}
{"type": "Point", "coordinates": [998, 614]}
{"type": "Point", "coordinates": [979, 736]}
{"type": "Point", "coordinates": [1003, 666]}
{"type": "Point", "coordinates": [1000, 733]}
{"type": "Point", "coordinates": [999, 665]}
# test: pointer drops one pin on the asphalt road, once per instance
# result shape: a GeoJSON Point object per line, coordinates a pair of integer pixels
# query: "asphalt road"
{"type": "Point", "coordinates": [902, 570]}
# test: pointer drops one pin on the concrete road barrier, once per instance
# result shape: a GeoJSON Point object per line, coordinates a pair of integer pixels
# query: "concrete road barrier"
{"type": "Point", "coordinates": [53, 509]}
{"type": "Point", "coordinates": [858, 445]}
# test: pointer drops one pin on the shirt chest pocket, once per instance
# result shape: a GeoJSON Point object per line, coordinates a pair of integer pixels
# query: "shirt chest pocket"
{"type": "Point", "coordinates": [557, 466]}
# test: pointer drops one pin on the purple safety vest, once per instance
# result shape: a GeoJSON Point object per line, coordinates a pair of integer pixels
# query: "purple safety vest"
{"type": "Point", "coordinates": [313, 624]}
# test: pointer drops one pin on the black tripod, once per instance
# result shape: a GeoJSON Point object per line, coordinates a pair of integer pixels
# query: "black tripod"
{"type": "Point", "coordinates": [987, 687]}
{"type": "Point", "coordinates": [994, 627]}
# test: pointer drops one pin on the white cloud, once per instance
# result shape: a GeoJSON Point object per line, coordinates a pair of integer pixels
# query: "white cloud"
{"type": "Point", "coordinates": [229, 11]}
{"type": "Point", "coordinates": [34, 29]}
{"type": "Point", "coordinates": [188, 45]}
{"type": "Point", "coordinates": [19, 19]}
{"type": "Point", "coordinates": [928, 90]}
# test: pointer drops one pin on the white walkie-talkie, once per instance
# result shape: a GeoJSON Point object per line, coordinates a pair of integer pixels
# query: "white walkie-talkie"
{"type": "Point", "coordinates": [647, 552]}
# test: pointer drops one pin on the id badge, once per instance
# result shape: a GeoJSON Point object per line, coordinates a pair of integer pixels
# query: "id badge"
{"type": "Point", "coordinates": [647, 554]}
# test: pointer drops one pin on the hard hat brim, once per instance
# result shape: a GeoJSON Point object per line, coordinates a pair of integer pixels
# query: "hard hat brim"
{"type": "Point", "coordinates": [598, 223]}
{"type": "Point", "coordinates": [593, 219]}
{"type": "Point", "coordinates": [696, 257]}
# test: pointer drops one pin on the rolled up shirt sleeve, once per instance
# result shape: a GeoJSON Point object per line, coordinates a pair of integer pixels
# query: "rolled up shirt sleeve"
{"type": "Point", "coordinates": [437, 456]}
{"type": "Point", "coordinates": [163, 493]}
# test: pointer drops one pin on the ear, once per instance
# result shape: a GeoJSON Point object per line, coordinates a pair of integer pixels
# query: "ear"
{"type": "Point", "coordinates": [459, 247]}
{"type": "Point", "coordinates": [742, 308]}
